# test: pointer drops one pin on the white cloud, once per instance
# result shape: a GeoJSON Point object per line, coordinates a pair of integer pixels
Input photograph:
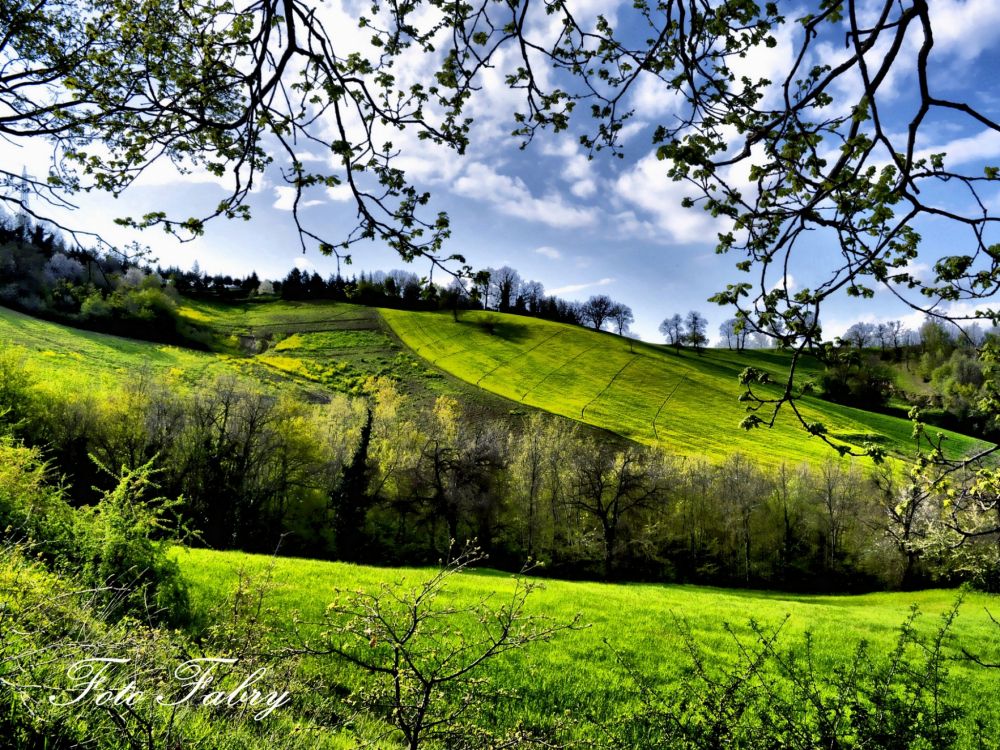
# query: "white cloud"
{"type": "Point", "coordinates": [424, 161]}
{"type": "Point", "coordinates": [652, 97]}
{"type": "Point", "coordinates": [647, 187]}
{"type": "Point", "coordinates": [549, 252]}
{"type": "Point", "coordinates": [341, 193]}
{"type": "Point", "coordinates": [983, 146]}
{"type": "Point", "coordinates": [556, 146]}
{"type": "Point", "coordinates": [573, 288]}
{"type": "Point", "coordinates": [285, 199]}
{"type": "Point", "coordinates": [308, 156]}
{"type": "Point", "coordinates": [965, 28]}
{"type": "Point", "coordinates": [578, 170]}
{"type": "Point", "coordinates": [584, 189]}
{"type": "Point", "coordinates": [511, 196]}
{"type": "Point", "coordinates": [786, 282]}
{"type": "Point", "coordinates": [304, 264]}
{"type": "Point", "coordinates": [631, 129]}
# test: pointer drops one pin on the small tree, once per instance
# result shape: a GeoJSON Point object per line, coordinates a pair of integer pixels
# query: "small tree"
{"type": "Point", "coordinates": [621, 316]}
{"type": "Point", "coordinates": [727, 330]}
{"type": "Point", "coordinates": [860, 335]}
{"type": "Point", "coordinates": [609, 488]}
{"type": "Point", "coordinates": [422, 657]}
{"type": "Point", "coordinates": [532, 296]}
{"type": "Point", "coordinates": [672, 329]}
{"type": "Point", "coordinates": [696, 330]}
{"type": "Point", "coordinates": [597, 310]}
{"type": "Point", "coordinates": [505, 284]}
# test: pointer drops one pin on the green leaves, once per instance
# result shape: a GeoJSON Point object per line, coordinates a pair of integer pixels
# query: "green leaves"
{"type": "Point", "coordinates": [753, 375]}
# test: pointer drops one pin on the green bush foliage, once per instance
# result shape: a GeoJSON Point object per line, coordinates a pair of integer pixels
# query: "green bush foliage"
{"type": "Point", "coordinates": [117, 546]}
{"type": "Point", "coordinates": [769, 697]}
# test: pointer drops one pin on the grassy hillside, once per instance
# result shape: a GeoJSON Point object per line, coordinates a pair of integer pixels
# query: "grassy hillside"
{"type": "Point", "coordinates": [70, 358]}
{"type": "Point", "coordinates": [578, 671]}
{"type": "Point", "coordinates": [683, 401]}
{"type": "Point", "coordinates": [333, 345]}
{"type": "Point", "coordinates": [313, 348]}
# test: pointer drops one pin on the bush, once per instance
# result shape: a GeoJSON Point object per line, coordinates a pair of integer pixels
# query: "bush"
{"type": "Point", "coordinates": [31, 509]}
{"type": "Point", "coordinates": [421, 659]}
{"type": "Point", "coordinates": [771, 698]}
{"type": "Point", "coordinates": [850, 381]}
{"type": "Point", "coordinates": [124, 543]}
{"type": "Point", "coordinates": [118, 546]}
{"type": "Point", "coordinates": [15, 386]}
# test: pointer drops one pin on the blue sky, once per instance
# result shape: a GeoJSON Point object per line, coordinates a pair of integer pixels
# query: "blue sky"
{"type": "Point", "coordinates": [578, 226]}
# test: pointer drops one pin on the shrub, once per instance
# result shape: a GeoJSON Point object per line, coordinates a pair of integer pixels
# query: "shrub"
{"type": "Point", "coordinates": [850, 381]}
{"type": "Point", "coordinates": [421, 659]}
{"type": "Point", "coordinates": [125, 538]}
{"type": "Point", "coordinates": [772, 698]}
{"type": "Point", "coordinates": [15, 385]}
{"type": "Point", "coordinates": [31, 509]}
{"type": "Point", "coordinates": [118, 546]}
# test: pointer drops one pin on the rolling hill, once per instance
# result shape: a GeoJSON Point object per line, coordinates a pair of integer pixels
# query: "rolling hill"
{"type": "Point", "coordinates": [682, 401]}
{"type": "Point", "coordinates": [313, 349]}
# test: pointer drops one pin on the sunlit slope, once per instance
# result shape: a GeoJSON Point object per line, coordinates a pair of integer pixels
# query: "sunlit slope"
{"type": "Point", "coordinates": [70, 359]}
{"type": "Point", "coordinates": [683, 401]}
{"type": "Point", "coordinates": [309, 349]}
{"type": "Point", "coordinates": [334, 345]}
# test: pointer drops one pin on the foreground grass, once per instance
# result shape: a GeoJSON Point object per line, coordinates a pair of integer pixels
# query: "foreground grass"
{"type": "Point", "coordinates": [682, 401]}
{"type": "Point", "coordinates": [579, 673]}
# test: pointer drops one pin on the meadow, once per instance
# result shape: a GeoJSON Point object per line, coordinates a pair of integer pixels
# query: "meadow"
{"type": "Point", "coordinates": [680, 400]}
{"type": "Point", "coordinates": [579, 672]}
{"type": "Point", "coordinates": [334, 345]}
{"type": "Point", "coordinates": [74, 359]}
{"type": "Point", "coordinates": [311, 349]}
{"type": "Point", "coordinates": [683, 401]}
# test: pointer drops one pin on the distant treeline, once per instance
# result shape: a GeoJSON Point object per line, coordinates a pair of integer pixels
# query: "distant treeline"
{"type": "Point", "coordinates": [111, 292]}
{"type": "Point", "coordinates": [501, 289]}
{"type": "Point", "coordinates": [123, 292]}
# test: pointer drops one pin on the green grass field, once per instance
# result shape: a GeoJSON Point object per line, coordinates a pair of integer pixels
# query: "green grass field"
{"type": "Point", "coordinates": [333, 345]}
{"type": "Point", "coordinates": [311, 348]}
{"type": "Point", "coordinates": [682, 401]}
{"type": "Point", "coordinates": [578, 671]}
